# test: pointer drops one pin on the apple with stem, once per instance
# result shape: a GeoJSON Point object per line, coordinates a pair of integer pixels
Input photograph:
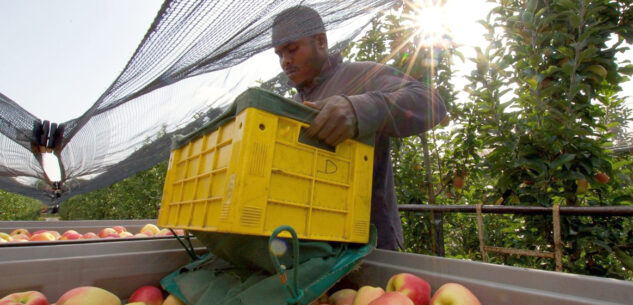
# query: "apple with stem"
{"type": "Point", "coordinates": [20, 231]}
{"type": "Point", "coordinates": [412, 286]}
{"type": "Point", "coordinates": [24, 298]}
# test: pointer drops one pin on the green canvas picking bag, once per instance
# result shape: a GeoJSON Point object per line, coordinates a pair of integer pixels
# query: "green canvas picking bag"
{"type": "Point", "coordinates": [245, 269]}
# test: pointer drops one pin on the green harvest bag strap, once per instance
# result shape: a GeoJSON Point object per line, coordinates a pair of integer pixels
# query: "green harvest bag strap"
{"type": "Point", "coordinates": [212, 280]}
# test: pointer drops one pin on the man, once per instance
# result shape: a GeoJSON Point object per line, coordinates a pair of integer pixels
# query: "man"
{"type": "Point", "coordinates": [356, 100]}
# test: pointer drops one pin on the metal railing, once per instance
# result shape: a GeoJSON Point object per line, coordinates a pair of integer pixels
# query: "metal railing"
{"type": "Point", "coordinates": [556, 211]}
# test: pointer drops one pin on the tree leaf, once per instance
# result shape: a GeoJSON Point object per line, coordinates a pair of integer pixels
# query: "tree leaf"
{"type": "Point", "coordinates": [562, 159]}
{"type": "Point", "coordinates": [624, 258]}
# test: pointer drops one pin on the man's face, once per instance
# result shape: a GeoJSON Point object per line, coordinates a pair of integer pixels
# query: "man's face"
{"type": "Point", "coordinates": [300, 60]}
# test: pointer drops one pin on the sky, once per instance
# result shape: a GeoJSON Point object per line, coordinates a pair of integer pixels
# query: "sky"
{"type": "Point", "coordinates": [58, 57]}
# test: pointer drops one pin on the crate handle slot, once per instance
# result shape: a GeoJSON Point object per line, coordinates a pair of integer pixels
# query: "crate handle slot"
{"type": "Point", "coordinates": [305, 139]}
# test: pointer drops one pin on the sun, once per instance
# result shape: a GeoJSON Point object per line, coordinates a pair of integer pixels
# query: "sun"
{"type": "Point", "coordinates": [425, 22]}
{"type": "Point", "coordinates": [429, 18]}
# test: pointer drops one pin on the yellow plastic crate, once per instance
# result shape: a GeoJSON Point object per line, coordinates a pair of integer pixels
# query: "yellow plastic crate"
{"type": "Point", "coordinates": [250, 171]}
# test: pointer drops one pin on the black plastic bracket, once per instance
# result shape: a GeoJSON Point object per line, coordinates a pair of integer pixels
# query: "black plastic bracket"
{"type": "Point", "coordinates": [46, 136]}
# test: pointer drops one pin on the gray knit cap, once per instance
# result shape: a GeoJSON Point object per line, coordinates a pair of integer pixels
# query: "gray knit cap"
{"type": "Point", "coordinates": [295, 23]}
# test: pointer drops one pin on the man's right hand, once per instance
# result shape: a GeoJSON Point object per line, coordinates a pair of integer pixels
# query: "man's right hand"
{"type": "Point", "coordinates": [335, 123]}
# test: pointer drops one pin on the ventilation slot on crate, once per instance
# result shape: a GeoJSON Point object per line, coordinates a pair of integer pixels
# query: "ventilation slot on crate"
{"type": "Point", "coordinates": [257, 166]}
{"type": "Point", "coordinates": [361, 228]}
{"type": "Point", "coordinates": [251, 216]}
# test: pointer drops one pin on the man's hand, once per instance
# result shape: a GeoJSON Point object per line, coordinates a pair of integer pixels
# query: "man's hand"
{"type": "Point", "coordinates": [335, 123]}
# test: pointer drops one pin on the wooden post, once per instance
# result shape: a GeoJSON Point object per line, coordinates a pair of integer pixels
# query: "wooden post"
{"type": "Point", "coordinates": [437, 230]}
{"type": "Point", "coordinates": [480, 229]}
{"type": "Point", "coordinates": [558, 253]}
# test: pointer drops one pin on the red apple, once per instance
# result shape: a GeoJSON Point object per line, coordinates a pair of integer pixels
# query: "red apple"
{"type": "Point", "coordinates": [342, 297]}
{"type": "Point", "coordinates": [70, 235]}
{"type": "Point", "coordinates": [54, 233]}
{"type": "Point", "coordinates": [119, 229]}
{"type": "Point", "coordinates": [173, 300]}
{"type": "Point", "coordinates": [5, 237]}
{"type": "Point", "coordinates": [366, 294]}
{"type": "Point", "coordinates": [20, 237]}
{"type": "Point", "coordinates": [458, 182]}
{"type": "Point", "coordinates": [27, 298]}
{"type": "Point", "coordinates": [602, 178]}
{"type": "Point", "coordinates": [150, 295]}
{"type": "Point", "coordinates": [20, 231]}
{"type": "Point", "coordinates": [108, 232]}
{"type": "Point", "coordinates": [392, 298]}
{"type": "Point", "coordinates": [150, 229]}
{"type": "Point", "coordinates": [44, 236]}
{"type": "Point", "coordinates": [88, 295]}
{"type": "Point", "coordinates": [89, 235]}
{"type": "Point", "coordinates": [454, 294]}
{"type": "Point", "coordinates": [164, 232]}
{"type": "Point", "coordinates": [125, 234]}
{"type": "Point", "coordinates": [417, 289]}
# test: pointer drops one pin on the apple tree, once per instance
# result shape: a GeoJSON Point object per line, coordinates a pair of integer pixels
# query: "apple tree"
{"type": "Point", "coordinates": [17, 207]}
{"type": "Point", "coordinates": [547, 143]}
{"type": "Point", "coordinates": [136, 197]}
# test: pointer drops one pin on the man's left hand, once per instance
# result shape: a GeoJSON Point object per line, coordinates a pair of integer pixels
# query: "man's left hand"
{"type": "Point", "coordinates": [335, 123]}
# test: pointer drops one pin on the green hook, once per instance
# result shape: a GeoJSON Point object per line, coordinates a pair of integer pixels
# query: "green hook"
{"type": "Point", "coordinates": [295, 293]}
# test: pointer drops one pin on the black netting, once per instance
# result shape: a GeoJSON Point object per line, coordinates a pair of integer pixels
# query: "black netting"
{"type": "Point", "coordinates": [195, 58]}
{"type": "Point", "coordinates": [15, 122]}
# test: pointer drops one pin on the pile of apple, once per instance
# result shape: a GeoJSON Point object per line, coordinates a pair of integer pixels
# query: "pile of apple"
{"type": "Point", "coordinates": [402, 289]}
{"type": "Point", "coordinates": [89, 295]}
{"type": "Point", "coordinates": [23, 235]}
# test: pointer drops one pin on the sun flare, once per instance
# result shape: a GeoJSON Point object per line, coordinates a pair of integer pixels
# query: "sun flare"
{"type": "Point", "coordinates": [425, 22]}
{"type": "Point", "coordinates": [429, 19]}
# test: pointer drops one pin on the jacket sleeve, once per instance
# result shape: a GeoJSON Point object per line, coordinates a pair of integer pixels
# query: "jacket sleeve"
{"type": "Point", "coordinates": [394, 104]}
